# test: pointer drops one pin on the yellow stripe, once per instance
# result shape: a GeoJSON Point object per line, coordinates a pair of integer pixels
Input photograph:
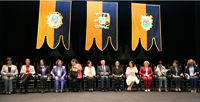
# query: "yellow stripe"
{"type": "Point", "coordinates": [46, 7]}
{"type": "Point", "coordinates": [137, 30]}
{"type": "Point", "coordinates": [92, 32]}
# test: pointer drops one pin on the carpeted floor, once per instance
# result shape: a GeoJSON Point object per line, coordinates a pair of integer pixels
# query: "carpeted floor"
{"type": "Point", "coordinates": [98, 96]}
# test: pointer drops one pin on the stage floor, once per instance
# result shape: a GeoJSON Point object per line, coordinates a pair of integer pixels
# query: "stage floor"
{"type": "Point", "coordinates": [98, 96]}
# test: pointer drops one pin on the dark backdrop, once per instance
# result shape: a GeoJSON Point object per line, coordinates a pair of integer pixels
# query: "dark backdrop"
{"type": "Point", "coordinates": [179, 25]}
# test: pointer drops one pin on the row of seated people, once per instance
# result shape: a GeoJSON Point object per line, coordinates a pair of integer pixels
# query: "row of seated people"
{"type": "Point", "coordinates": [58, 73]}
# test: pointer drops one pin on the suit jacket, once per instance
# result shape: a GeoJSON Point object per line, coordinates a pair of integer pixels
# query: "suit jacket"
{"type": "Point", "coordinates": [100, 69]}
{"type": "Point", "coordinates": [39, 70]}
{"type": "Point", "coordinates": [4, 70]}
{"type": "Point", "coordinates": [31, 70]}
{"type": "Point", "coordinates": [173, 70]}
{"type": "Point", "coordinates": [143, 71]}
{"type": "Point", "coordinates": [196, 70]}
{"type": "Point", "coordinates": [62, 71]}
{"type": "Point", "coordinates": [118, 71]}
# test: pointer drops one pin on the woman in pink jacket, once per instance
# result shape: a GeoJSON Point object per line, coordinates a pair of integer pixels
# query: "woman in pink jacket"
{"type": "Point", "coordinates": [76, 67]}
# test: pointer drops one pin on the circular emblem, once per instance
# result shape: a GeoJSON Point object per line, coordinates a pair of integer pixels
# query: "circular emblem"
{"type": "Point", "coordinates": [54, 20]}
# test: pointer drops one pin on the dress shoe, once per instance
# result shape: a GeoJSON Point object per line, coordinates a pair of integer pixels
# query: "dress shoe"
{"type": "Point", "coordinates": [159, 90]}
{"type": "Point", "coordinates": [166, 90]}
{"type": "Point", "coordinates": [148, 90]}
{"type": "Point", "coordinates": [106, 90]}
{"type": "Point", "coordinates": [145, 90]}
{"type": "Point", "coordinates": [195, 91]}
{"type": "Point", "coordinates": [21, 82]}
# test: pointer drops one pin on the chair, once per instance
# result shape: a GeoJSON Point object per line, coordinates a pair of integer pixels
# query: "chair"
{"type": "Point", "coordinates": [68, 77]}
{"type": "Point", "coordinates": [2, 87]}
{"type": "Point", "coordinates": [198, 84]}
{"type": "Point", "coordinates": [48, 85]}
{"type": "Point", "coordinates": [85, 82]}
{"type": "Point", "coordinates": [31, 83]}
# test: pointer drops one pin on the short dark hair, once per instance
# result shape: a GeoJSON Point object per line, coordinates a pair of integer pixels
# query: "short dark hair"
{"type": "Point", "coordinates": [175, 61]}
{"type": "Point", "coordinates": [8, 58]}
{"type": "Point", "coordinates": [88, 62]}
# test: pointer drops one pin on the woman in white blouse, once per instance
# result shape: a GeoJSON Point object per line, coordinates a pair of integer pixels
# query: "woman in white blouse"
{"type": "Point", "coordinates": [9, 72]}
{"type": "Point", "coordinates": [131, 75]}
{"type": "Point", "coordinates": [90, 73]}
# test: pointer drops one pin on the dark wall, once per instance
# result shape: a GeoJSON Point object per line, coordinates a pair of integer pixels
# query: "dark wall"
{"type": "Point", "coordinates": [180, 33]}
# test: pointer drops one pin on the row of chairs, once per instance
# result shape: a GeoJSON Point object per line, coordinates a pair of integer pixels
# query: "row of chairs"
{"type": "Point", "coordinates": [184, 83]}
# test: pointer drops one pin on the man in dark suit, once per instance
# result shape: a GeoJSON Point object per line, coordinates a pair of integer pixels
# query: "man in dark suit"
{"type": "Point", "coordinates": [103, 71]}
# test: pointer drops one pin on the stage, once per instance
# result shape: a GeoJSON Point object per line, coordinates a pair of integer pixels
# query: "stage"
{"type": "Point", "coordinates": [97, 96]}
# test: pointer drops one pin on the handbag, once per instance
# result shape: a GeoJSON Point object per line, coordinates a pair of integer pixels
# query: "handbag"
{"type": "Point", "coordinates": [73, 73]}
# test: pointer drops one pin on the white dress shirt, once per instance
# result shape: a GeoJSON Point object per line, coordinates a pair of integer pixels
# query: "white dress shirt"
{"type": "Point", "coordinates": [146, 70]}
{"type": "Point", "coordinates": [59, 74]}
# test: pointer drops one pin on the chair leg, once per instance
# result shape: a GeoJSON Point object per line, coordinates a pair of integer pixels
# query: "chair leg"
{"type": "Point", "coordinates": [33, 86]}
{"type": "Point", "coordinates": [123, 85]}
{"type": "Point", "coordinates": [84, 85]}
{"type": "Point", "coordinates": [20, 88]}
{"type": "Point", "coordinates": [98, 85]}
{"type": "Point", "coordinates": [37, 86]}
{"type": "Point", "coordinates": [15, 87]}
{"type": "Point", "coordinates": [112, 86]}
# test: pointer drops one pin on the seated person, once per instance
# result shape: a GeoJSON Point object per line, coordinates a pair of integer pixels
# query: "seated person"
{"type": "Point", "coordinates": [9, 72]}
{"type": "Point", "coordinates": [75, 79]}
{"type": "Point", "coordinates": [192, 74]}
{"type": "Point", "coordinates": [90, 73]}
{"type": "Point", "coordinates": [59, 74]}
{"type": "Point", "coordinates": [176, 72]}
{"type": "Point", "coordinates": [131, 75]}
{"type": "Point", "coordinates": [117, 72]}
{"type": "Point", "coordinates": [27, 72]}
{"type": "Point", "coordinates": [146, 73]}
{"type": "Point", "coordinates": [161, 72]}
{"type": "Point", "coordinates": [103, 71]}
